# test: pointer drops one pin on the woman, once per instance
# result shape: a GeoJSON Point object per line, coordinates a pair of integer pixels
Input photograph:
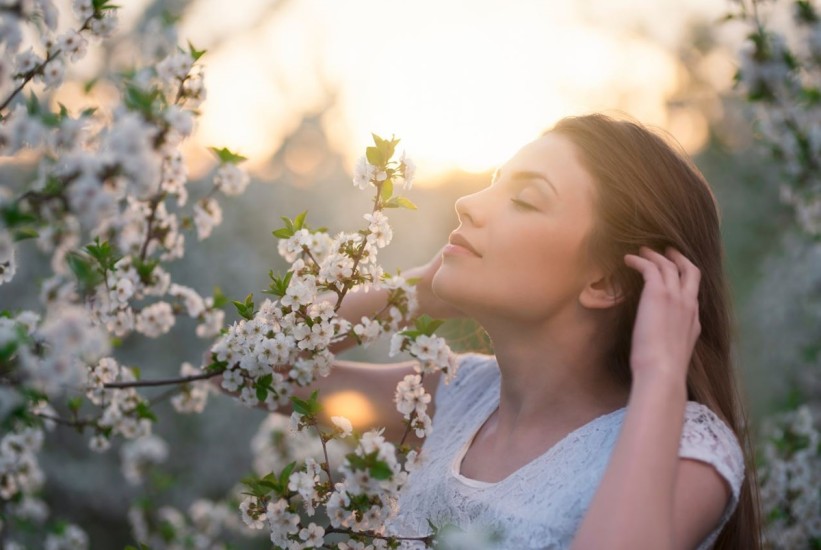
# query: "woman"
{"type": "Point", "coordinates": [609, 415]}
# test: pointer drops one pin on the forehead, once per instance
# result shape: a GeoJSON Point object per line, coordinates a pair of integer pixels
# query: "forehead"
{"type": "Point", "coordinates": [555, 157]}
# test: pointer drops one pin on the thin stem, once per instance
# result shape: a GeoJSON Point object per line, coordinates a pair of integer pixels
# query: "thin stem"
{"type": "Point", "coordinates": [39, 68]}
{"type": "Point", "coordinates": [155, 202]}
{"type": "Point", "coordinates": [408, 425]}
{"type": "Point", "coordinates": [78, 423]}
{"type": "Point", "coordinates": [347, 286]}
{"type": "Point", "coordinates": [327, 464]}
{"type": "Point", "coordinates": [372, 534]}
{"type": "Point", "coordinates": [411, 419]}
{"type": "Point", "coordinates": [164, 382]}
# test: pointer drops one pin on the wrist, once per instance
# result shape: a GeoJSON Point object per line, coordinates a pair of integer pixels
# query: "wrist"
{"type": "Point", "coordinates": [660, 381]}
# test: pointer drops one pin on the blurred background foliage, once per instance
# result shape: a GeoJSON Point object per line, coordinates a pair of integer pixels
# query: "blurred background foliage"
{"type": "Point", "coordinates": [297, 85]}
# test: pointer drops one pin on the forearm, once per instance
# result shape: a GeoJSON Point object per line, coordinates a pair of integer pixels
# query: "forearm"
{"type": "Point", "coordinates": [633, 506]}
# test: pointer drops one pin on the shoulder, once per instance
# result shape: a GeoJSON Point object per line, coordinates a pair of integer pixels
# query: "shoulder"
{"type": "Point", "coordinates": [710, 476]}
{"type": "Point", "coordinates": [707, 438]}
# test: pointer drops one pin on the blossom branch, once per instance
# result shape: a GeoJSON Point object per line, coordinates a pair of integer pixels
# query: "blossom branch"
{"type": "Point", "coordinates": [39, 68]}
{"type": "Point", "coordinates": [163, 382]}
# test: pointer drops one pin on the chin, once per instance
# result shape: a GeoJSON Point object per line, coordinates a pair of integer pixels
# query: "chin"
{"type": "Point", "coordinates": [450, 288]}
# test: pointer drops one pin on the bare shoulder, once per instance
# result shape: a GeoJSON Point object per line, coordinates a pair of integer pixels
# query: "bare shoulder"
{"type": "Point", "coordinates": [709, 476]}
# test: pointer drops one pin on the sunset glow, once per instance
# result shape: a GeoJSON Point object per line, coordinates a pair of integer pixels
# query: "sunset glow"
{"type": "Point", "coordinates": [463, 90]}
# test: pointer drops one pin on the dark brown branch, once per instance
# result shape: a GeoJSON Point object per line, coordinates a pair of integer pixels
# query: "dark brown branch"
{"type": "Point", "coordinates": [164, 382]}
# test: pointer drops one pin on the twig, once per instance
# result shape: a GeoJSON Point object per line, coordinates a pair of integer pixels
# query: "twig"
{"type": "Point", "coordinates": [164, 382]}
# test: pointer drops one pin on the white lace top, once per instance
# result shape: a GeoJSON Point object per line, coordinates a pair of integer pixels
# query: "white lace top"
{"type": "Point", "coordinates": [540, 505]}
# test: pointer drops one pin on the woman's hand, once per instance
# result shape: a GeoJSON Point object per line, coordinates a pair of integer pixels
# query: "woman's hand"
{"type": "Point", "coordinates": [667, 322]}
{"type": "Point", "coordinates": [429, 303]}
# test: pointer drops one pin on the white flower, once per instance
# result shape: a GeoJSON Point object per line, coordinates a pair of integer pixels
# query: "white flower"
{"type": "Point", "coordinates": [363, 173]}
{"type": "Point", "coordinates": [155, 320]}
{"type": "Point", "coordinates": [211, 323]}
{"type": "Point", "coordinates": [408, 168]}
{"type": "Point", "coordinates": [99, 443]}
{"type": "Point", "coordinates": [8, 265]}
{"type": "Point", "coordinates": [232, 380]}
{"type": "Point", "coordinates": [83, 9]}
{"type": "Point", "coordinates": [281, 522]}
{"type": "Point", "coordinates": [194, 304]}
{"type": "Point", "coordinates": [180, 120]}
{"type": "Point", "coordinates": [174, 67]}
{"type": "Point", "coordinates": [379, 228]}
{"type": "Point", "coordinates": [343, 425]}
{"type": "Point", "coordinates": [26, 62]}
{"type": "Point", "coordinates": [253, 514]}
{"type": "Point", "coordinates": [207, 215]}
{"type": "Point", "coordinates": [397, 341]}
{"type": "Point", "coordinates": [73, 44]}
{"type": "Point", "coordinates": [411, 396]}
{"type": "Point", "coordinates": [313, 535]}
{"type": "Point", "coordinates": [53, 74]}
{"type": "Point", "coordinates": [139, 455]}
{"type": "Point", "coordinates": [70, 538]}
{"type": "Point", "coordinates": [367, 330]}
{"type": "Point", "coordinates": [231, 179]}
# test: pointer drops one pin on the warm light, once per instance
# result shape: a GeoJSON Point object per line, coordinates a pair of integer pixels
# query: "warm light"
{"type": "Point", "coordinates": [352, 405]}
{"type": "Point", "coordinates": [463, 84]}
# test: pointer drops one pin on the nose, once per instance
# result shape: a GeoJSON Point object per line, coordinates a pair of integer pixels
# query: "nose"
{"type": "Point", "coordinates": [469, 208]}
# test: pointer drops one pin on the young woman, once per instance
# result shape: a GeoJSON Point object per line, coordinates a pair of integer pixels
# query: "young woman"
{"type": "Point", "coordinates": [609, 415]}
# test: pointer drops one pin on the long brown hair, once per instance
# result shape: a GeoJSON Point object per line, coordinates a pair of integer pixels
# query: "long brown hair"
{"type": "Point", "coordinates": [648, 193]}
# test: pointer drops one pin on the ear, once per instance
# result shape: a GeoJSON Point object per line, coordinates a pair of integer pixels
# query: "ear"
{"type": "Point", "coordinates": [601, 292]}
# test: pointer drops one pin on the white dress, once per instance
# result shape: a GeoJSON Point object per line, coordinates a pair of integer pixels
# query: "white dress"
{"type": "Point", "coordinates": [540, 505]}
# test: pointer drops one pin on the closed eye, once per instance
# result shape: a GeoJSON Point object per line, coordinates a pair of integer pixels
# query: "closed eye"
{"type": "Point", "coordinates": [522, 205]}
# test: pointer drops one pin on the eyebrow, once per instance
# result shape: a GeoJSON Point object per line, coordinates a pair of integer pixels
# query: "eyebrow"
{"type": "Point", "coordinates": [523, 175]}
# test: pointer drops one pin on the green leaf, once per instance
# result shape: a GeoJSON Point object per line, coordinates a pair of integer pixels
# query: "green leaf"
{"type": "Point", "coordinates": [86, 275]}
{"type": "Point", "coordinates": [228, 157]}
{"type": "Point", "coordinates": [399, 202]}
{"type": "Point", "coordinates": [283, 233]}
{"type": "Point", "coordinates": [286, 473]}
{"type": "Point", "coordinates": [144, 411]}
{"type": "Point", "coordinates": [219, 298]}
{"type": "Point", "coordinates": [427, 325]}
{"type": "Point", "coordinates": [299, 221]}
{"type": "Point", "coordinates": [137, 99]}
{"type": "Point", "coordinates": [145, 269]}
{"type": "Point", "coordinates": [216, 366]}
{"type": "Point", "coordinates": [25, 233]}
{"type": "Point", "coordinates": [300, 406]}
{"type": "Point", "coordinates": [380, 470]}
{"type": "Point", "coordinates": [33, 105]}
{"type": "Point", "coordinates": [74, 404]}
{"type": "Point", "coordinates": [89, 85]}
{"type": "Point", "coordinates": [374, 156]}
{"type": "Point", "coordinates": [12, 216]}
{"type": "Point", "coordinates": [387, 190]}
{"type": "Point", "coordinates": [195, 53]}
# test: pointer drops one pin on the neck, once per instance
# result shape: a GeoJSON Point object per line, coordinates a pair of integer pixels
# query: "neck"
{"type": "Point", "coordinates": [557, 369]}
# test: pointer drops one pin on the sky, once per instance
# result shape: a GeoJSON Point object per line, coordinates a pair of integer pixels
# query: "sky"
{"type": "Point", "coordinates": [463, 84]}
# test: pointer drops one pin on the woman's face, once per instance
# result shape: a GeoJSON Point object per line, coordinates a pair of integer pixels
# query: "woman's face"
{"type": "Point", "coordinates": [517, 252]}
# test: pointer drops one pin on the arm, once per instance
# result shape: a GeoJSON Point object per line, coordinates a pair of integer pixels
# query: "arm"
{"type": "Point", "coordinates": [648, 497]}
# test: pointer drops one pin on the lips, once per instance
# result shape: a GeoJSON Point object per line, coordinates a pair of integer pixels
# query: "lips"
{"type": "Point", "coordinates": [459, 240]}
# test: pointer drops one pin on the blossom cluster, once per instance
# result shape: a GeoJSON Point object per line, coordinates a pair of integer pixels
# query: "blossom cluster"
{"type": "Point", "coordinates": [286, 342]}
{"type": "Point", "coordinates": [201, 527]}
{"type": "Point", "coordinates": [110, 205]}
{"type": "Point", "coordinates": [780, 74]}
{"type": "Point", "coordinates": [789, 479]}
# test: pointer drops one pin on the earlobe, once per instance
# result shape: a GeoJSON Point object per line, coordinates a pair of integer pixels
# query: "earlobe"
{"type": "Point", "coordinates": [601, 294]}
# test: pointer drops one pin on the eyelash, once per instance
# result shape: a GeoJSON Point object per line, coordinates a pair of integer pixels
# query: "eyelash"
{"type": "Point", "coordinates": [522, 205]}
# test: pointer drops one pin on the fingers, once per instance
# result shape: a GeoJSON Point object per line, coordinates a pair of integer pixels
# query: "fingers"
{"type": "Point", "coordinates": [673, 269]}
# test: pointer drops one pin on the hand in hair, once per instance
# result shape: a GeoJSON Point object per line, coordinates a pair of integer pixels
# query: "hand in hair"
{"type": "Point", "coordinates": [667, 323]}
